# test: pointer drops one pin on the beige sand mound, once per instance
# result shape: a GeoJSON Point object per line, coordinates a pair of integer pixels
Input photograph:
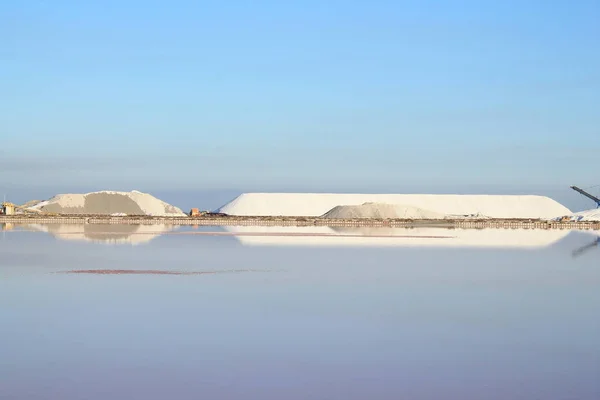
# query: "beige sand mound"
{"type": "Point", "coordinates": [381, 211]}
{"type": "Point", "coordinates": [108, 203]}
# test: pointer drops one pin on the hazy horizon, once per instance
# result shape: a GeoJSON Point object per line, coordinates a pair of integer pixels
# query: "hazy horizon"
{"type": "Point", "coordinates": [211, 199]}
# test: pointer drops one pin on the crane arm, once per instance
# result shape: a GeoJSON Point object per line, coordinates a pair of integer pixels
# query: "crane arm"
{"type": "Point", "coordinates": [586, 194]}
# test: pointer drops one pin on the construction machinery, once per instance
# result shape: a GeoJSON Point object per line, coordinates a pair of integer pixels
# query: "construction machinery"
{"type": "Point", "coordinates": [586, 194]}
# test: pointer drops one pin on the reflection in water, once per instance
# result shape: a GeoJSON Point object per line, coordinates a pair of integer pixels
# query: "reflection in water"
{"type": "Point", "coordinates": [364, 236]}
{"type": "Point", "coordinates": [151, 272]}
{"type": "Point", "coordinates": [317, 235]}
{"type": "Point", "coordinates": [584, 249]}
{"type": "Point", "coordinates": [351, 323]}
{"type": "Point", "coordinates": [104, 233]}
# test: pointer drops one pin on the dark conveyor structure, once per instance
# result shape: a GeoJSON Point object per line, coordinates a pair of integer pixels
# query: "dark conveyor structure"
{"type": "Point", "coordinates": [586, 194]}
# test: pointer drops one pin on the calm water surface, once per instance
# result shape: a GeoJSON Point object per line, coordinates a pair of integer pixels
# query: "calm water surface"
{"type": "Point", "coordinates": [493, 316]}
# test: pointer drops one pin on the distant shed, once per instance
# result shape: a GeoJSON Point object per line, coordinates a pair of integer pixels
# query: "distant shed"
{"type": "Point", "coordinates": [8, 208]}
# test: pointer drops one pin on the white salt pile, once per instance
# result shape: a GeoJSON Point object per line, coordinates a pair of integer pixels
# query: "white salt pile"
{"type": "Point", "coordinates": [108, 203]}
{"type": "Point", "coordinates": [588, 215]}
{"type": "Point", "coordinates": [317, 204]}
{"type": "Point", "coordinates": [381, 211]}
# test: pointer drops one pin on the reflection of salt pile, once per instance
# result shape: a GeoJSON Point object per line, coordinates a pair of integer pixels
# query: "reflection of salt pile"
{"type": "Point", "coordinates": [317, 204]}
{"type": "Point", "coordinates": [107, 203]}
{"type": "Point", "coordinates": [105, 233]}
{"type": "Point", "coordinates": [588, 215]}
{"type": "Point", "coordinates": [321, 236]}
{"type": "Point", "coordinates": [381, 210]}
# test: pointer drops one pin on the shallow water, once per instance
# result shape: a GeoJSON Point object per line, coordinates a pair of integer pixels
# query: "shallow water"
{"type": "Point", "coordinates": [346, 314]}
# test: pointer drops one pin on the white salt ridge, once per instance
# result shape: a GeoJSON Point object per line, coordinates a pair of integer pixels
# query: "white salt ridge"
{"type": "Point", "coordinates": [107, 203]}
{"type": "Point", "coordinates": [381, 211]}
{"type": "Point", "coordinates": [588, 215]}
{"type": "Point", "coordinates": [317, 204]}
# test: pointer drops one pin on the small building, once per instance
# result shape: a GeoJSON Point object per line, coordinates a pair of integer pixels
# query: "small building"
{"type": "Point", "coordinates": [195, 212]}
{"type": "Point", "coordinates": [8, 208]}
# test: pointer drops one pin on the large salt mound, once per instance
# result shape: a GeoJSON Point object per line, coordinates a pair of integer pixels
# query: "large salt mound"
{"type": "Point", "coordinates": [381, 211]}
{"type": "Point", "coordinates": [107, 203]}
{"type": "Point", "coordinates": [317, 204]}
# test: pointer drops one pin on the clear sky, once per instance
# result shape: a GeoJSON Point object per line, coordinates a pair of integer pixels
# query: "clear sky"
{"type": "Point", "coordinates": [299, 94]}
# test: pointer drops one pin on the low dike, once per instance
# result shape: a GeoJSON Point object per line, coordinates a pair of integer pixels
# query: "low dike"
{"type": "Point", "coordinates": [303, 221]}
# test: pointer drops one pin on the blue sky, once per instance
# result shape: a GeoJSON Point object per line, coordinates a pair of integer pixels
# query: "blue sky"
{"type": "Point", "coordinates": [270, 95]}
